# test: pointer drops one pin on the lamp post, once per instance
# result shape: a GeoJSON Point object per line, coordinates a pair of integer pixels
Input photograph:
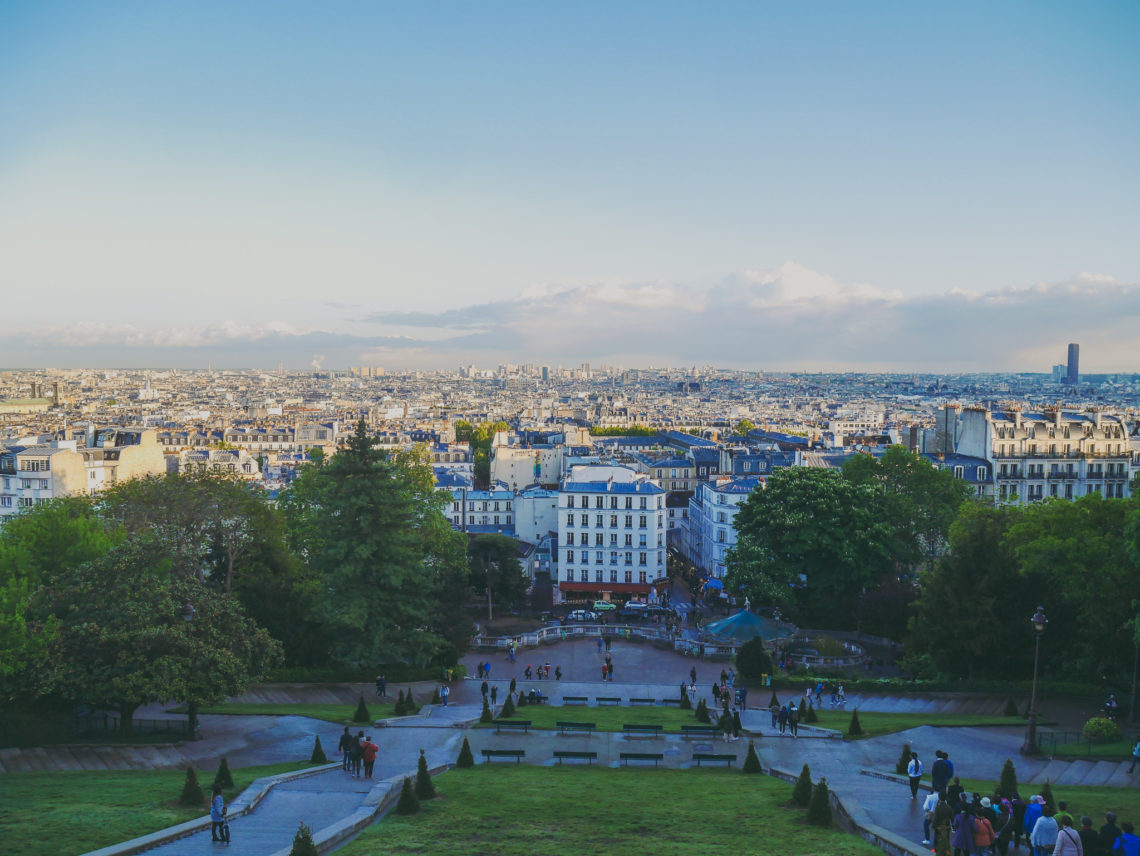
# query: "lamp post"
{"type": "Point", "coordinates": [1038, 622]}
{"type": "Point", "coordinates": [189, 613]}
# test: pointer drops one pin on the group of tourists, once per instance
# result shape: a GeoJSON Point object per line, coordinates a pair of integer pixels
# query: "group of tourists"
{"type": "Point", "coordinates": [962, 823]}
{"type": "Point", "coordinates": [542, 672]}
{"type": "Point", "coordinates": [358, 753]}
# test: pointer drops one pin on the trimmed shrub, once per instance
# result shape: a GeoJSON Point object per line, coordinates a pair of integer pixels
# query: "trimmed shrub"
{"type": "Point", "coordinates": [809, 714]}
{"type": "Point", "coordinates": [508, 708]}
{"type": "Point", "coordinates": [486, 715]}
{"type": "Point", "coordinates": [522, 700]}
{"type": "Point", "coordinates": [435, 699]}
{"type": "Point", "coordinates": [425, 790]}
{"type": "Point", "coordinates": [1047, 795]}
{"type": "Point", "coordinates": [1007, 784]}
{"type": "Point", "coordinates": [303, 844]}
{"type": "Point", "coordinates": [1010, 707]}
{"type": "Point", "coordinates": [409, 803]}
{"type": "Point", "coordinates": [318, 756]}
{"type": "Point", "coordinates": [686, 702]}
{"type": "Point", "coordinates": [191, 790]}
{"type": "Point", "coordinates": [465, 760]}
{"type": "Point", "coordinates": [903, 761]}
{"type": "Point", "coordinates": [752, 760]}
{"type": "Point", "coordinates": [801, 794]}
{"type": "Point", "coordinates": [753, 660]}
{"type": "Point", "coordinates": [410, 703]}
{"type": "Point", "coordinates": [819, 810]}
{"type": "Point", "coordinates": [401, 708]}
{"type": "Point", "coordinates": [1100, 729]}
{"type": "Point", "coordinates": [703, 713]}
{"type": "Point", "coordinates": [361, 714]}
{"type": "Point", "coordinates": [223, 778]}
{"type": "Point", "coordinates": [854, 729]}
{"type": "Point", "coordinates": [774, 700]}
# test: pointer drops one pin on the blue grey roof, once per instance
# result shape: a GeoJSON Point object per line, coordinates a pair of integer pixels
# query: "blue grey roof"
{"type": "Point", "coordinates": [610, 487]}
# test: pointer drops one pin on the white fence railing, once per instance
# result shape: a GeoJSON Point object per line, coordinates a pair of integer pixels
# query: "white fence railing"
{"type": "Point", "coordinates": [548, 635]}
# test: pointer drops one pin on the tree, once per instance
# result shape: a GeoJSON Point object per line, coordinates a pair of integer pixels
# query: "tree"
{"type": "Point", "coordinates": [408, 803]}
{"type": "Point", "coordinates": [752, 760]}
{"type": "Point", "coordinates": [702, 713]}
{"type": "Point", "coordinates": [743, 427]}
{"type": "Point", "coordinates": [224, 778]}
{"type": "Point", "coordinates": [801, 793]}
{"type": "Point", "coordinates": [1007, 784]}
{"type": "Point", "coordinates": [318, 756]}
{"type": "Point", "coordinates": [191, 790]}
{"type": "Point", "coordinates": [753, 660]}
{"type": "Point", "coordinates": [361, 714]}
{"type": "Point", "coordinates": [465, 760]}
{"type": "Point", "coordinates": [815, 526]}
{"type": "Point", "coordinates": [903, 761]}
{"type": "Point", "coordinates": [496, 569]}
{"type": "Point", "coordinates": [819, 810]}
{"type": "Point", "coordinates": [131, 632]}
{"type": "Point", "coordinates": [508, 708]}
{"type": "Point", "coordinates": [1047, 795]}
{"type": "Point", "coordinates": [303, 844]}
{"type": "Point", "coordinates": [486, 715]}
{"type": "Point", "coordinates": [425, 790]}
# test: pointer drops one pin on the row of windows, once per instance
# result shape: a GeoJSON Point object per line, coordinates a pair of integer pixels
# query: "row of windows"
{"type": "Point", "coordinates": [599, 502]}
{"type": "Point", "coordinates": [641, 576]}
{"type": "Point", "coordinates": [599, 521]}
{"type": "Point", "coordinates": [34, 465]}
{"type": "Point", "coordinates": [22, 502]}
{"type": "Point", "coordinates": [599, 540]}
{"type": "Point", "coordinates": [599, 558]}
{"type": "Point", "coordinates": [1066, 449]}
{"type": "Point", "coordinates": [472, 506]}
{"type": "Point", "coordinates": [1035, 492]}
{"type": "Point", "coordinates": [483, 520]}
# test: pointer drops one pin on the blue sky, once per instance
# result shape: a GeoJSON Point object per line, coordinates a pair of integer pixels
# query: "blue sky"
{"type": "Point", "coordinates": [255, 179]}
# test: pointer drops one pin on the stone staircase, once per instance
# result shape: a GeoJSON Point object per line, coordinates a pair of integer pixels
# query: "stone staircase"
{"type": "Point", "coordinates": [50, 759]}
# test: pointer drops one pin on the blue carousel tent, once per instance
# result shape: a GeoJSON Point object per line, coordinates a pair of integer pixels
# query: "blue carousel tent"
{"type": "Point", "coordinates": [746, 625]}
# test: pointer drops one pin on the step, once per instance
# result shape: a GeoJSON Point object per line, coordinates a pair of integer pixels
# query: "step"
{"type": "Point", "coordinates": [1102, 772]}
{"type": "Point", "coordinates": [63, 758]}
{"type": "Point", "coordinates": [133, 758]}
{"type": "Point", "coordinates": [1075, 773]}
{"type": "Point", "coordinates": [87, 758]}
{"type": "Point", "coordinates": [14, 761]}
{"type": "Point", "coordinates": [1050, 772]}
{"type": "Point", "coordinates": [1120, 777]}
{"type": "Point", "coordinates": [111, 757]}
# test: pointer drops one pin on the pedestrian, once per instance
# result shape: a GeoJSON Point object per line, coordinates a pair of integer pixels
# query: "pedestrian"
{"type": "Point", "coordinates": [693, 675]}
{"type": "Point", "coordinates": [940, 772]}
{"type": "Point", "coordinates": [527, 672]}
{"type": "Point", "coordinates": [1068, 839]}
{"type": "Point", "coordinates": [725, 723]}
{"type": "Point", "coordinates": [723, 676]}
{"type": "Point", "coordinates": [1043, 836]}
{"type": "Point", "coordinates": [983, 831]}
{"type": "Point", "coordinates": [356, 757]}
{"type": "Point", "coordinates": [444, 693]}
{"type": "Point", "coordinates": [736, 726]}
{"type": "Point", "coordinates": [605, 671]}
{"type": "Point", "coordinates": [962, 825]}
{"type": "Point", "coordinates": [914, 773]}
{"type": "Point", "coordinates": [345, 748]}
{"type": "Point", "coordinates": [609, 642]}
{"type": "Point", "coordinates": [487, 669]}
{"type": "Point", "coordinates": [1135, 755]}
{"type": "Point", "coordinates": [716, 692]}
{"type": "Point", "coordinates": [1127, 844]}
{"type": "Point", "coordinates": [380, 686]}
{"type": "Point", "coordinates": [955, 792]}
{"type": "Point", "coordinates": [610, 666]}
{"type": "Point", "coordinates": [774, 712]}
{"type": "Point", "coordinates": [1109, 833]}
{"type": "Point", "coordinates": [557, 673]}
{"type": "Point", "coordinates": [1006, 825]}
{"type": "Point", "coordinates": [744, 698]}
{"type": "Point", "coordinates": [928, 807]}
{"type": "Point", "coordinates": [1033, 812]}
{"type": "Point", "coordinates": [1087, 834]}
{"type": "Point", "coordinates": [494, 693]}
{"type": "Point", "coordinates": [601, 643]}
{"type": "Point", "coordinates": [943, 821]}
{"type": "Point", "coordinates": [369, 750]}
{"type": "Point", "coordinates": [546, 668]}
{"type": "Point", "coordinates": [512, 689]}
{"type": "Point", "coordinates": [1018, 805]}
{"type": "Point", "coordinates": [218, 827]}
{"type": "Point", "coordinates": [782, 718]}
{"type": "Point", "coordinates": [793, 719]}
{"type": "Point", "coordinates": [479, 670]}
{"type": "Point", "coordinates": [483, 689]}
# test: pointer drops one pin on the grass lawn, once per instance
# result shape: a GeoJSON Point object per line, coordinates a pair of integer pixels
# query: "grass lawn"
{"type": "Point", "coordinates": [878, 724]}
{"type": "Point", "coordinates": [1093, 801]}
{"type": "Point", "coordinates": [509, 810]}
{"type": "Point", "coordinates": [59, 814]}
{"type": "Point", "coordinates": [607, 718]}
{"type": "Point", "coordinates": [338, 713]}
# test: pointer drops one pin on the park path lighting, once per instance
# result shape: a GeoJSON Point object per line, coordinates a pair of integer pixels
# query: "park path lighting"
{"type": "Point", "coordinates": [189, 613]}
{"type": "Point", "coordinates": [1038, 622]}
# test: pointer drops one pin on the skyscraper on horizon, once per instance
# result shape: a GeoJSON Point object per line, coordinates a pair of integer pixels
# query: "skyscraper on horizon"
{"type": "Point", "coordinates": [1072, 376]}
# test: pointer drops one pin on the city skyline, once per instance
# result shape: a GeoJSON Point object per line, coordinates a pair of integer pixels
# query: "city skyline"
{"type": "Point", "coordinates": [888, 188]}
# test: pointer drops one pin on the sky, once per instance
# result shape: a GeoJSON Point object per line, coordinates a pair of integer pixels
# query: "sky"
{"type": "Point", "coordinates": [814, 185]}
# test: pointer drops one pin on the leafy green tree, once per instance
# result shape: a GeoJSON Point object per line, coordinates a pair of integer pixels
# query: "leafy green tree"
{"type": "Point", "coordinates": [1007, 784]}
{"type": "Point", "coordinates": [223, 778]}
{"type": "Point", "coordinates": [496, 569]}
{"type": "Point", "coordinates": [743, 427]}
{"type": "Point", "coordinates": [819, 809]}
{"type": "Point", "coordinates": [801, 793]}
{"type": "Point", "coordinates": [132, 632]}
{"type": "Point", "coordinates": [815, 525]}
{"type": "Point", "coordinates": [753, 660]}
{"type": "Point", "coordinates": [303, 844]}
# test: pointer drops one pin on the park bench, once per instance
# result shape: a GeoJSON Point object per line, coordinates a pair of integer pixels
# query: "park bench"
{"type": "Point", "coordinates": [587, 727]}
{"type": "Point", "coordinates": [537, 699]}
{"type": "Point", "coordinates": [639, 728]}
{"type": "Point", "coordinates": [575, 699]}
{"type": "Point", "coordinates": [608, 700]}
{"type": "Point", "coordinates": [636, 701]}
{"type": "Point", "coordinates": [699, 730]}
{"type": "Point", "coordinates": [522, 725]}
{"type": "Point", "coordinates": [562, 755]}
{"type": "Point", "coordinates": [517, 754]}
{"type": "Point", "coordinates": [675, 701]}
{"type": "Point", "coordinates": [709, 756]}
{"type": "Point", "coordinates": [655, 757]}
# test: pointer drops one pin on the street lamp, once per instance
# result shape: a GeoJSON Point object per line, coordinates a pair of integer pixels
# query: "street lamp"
{"type": "Point", "coordinates": [1038, 621]}
{"type": "Point", "coordinates": [189, 613]}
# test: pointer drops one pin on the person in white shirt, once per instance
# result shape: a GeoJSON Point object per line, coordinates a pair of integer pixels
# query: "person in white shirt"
{"type": "Point", "coordinates": [914, 772]}
{"type": "Point", "coordinates": [928, 807]}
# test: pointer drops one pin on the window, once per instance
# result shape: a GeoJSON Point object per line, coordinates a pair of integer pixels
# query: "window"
{"type": "Point", "coordinates": [983, 474]}
{"type": "Point", "coordinates": [642, 502]}
{"type": "Point", "coordinates": [721, 517]}
{"type": "Point", "coordinates": [1053, 489]}
{"type": "Point", "coordinates": [455, 506]}
{"type": "Point", "coordinates": [613, 576]}
{"type": "Point", "coordinates": [642, 559]}
{"type": "Point", "coordinates": [629, 576]}
{"type": "Point", "coordinates": [598, 502]}
{"type": "Point", "coordinates": [597, 561]}
{"type": "Point", "coordinates": [613, 539]}
{"type": "Point", "coordinates": [597, 576]}
{"type": "Point", "coordinates": [641, 541]}
{"type": "Point", "coordinates": [629, 540]}
{"type": "Point", "coordinates": [496, 520]}
{"type": "Point", "coordinates": [569, 576]}
{"type": "Point", "coordinates": [613, 521]}
{"type": "Point", "coordinates": [569, 502]}
{"type": "Point", "coordinates": [629, 521]}
{"type": "Point", "coordinates": [701, 471]}
{"type": "Point", "coordinates": [959, 472]}
{"type": "Point", "coordinates": [570, 520]}
{"type": "Point", "coordinates": [720, 536]}
{"type": "Point", "coordinates": [642, 522]}
{"type": "Point", "coordinates": [613, 557]}
{"type": "Point", "coordinates": [629, 502]}
{"type": "Point", "coordinates": [613, 502]}
{"type": "Point", "coordinates": [747, 466]}
{"type": "Point", "coordinates": [598, 521]}
{"type": "Point", "coordinates": [599, 539]}
{"type": "Point", "coordinates": [629, 558]}
{"type": "Point", "coordinates": [569, 539]}
{"type": "Point", "coordinates": [454, 519]}
{"type": "Point", "coordinates": [569, 557]}
{"type": "Point", "coordinates": [641, 577]}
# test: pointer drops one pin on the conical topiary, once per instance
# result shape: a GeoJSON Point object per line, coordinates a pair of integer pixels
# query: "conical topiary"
{"type": "Point", "coordinates": [854, 729]}
{"type": "Point", "coordinates": [508, 709]}
{"type": "Point", "coordinates": [409, 702]}
{"type": "Point", "coordinates": [752, 760]}
{"type": "Point", "coordinates": [522, 700]}
{"type": "Point", "coordinates": [903, 761]}
{"type": "Point", "coordinates": [486, 716]}
{"type": "Point", "coordinates": [686, 703]}
{"type": "Point", "coordinates": [1047, 795]}
{"type": "Point", "coordinates": [465, 760]}
{"type": "Point", "coordinates": [401, 708]}
{"type": "Point", "coordinates": [1010, 707]}
{"type": "Point", "coordinates": [361, 714]}
{"type": "Point", "coordinates": [1007, 784]}
{"type": "Point", "coordinates": [191, 790]}
{"type": "Point", "coordinates": [774, 700]}
{"type": "Point", "coordinates": [318, 756]}
{"type": "Point", "coordinates": [703, 712]}
{"type": "Point", "coordinates": [801, 794]}
{"type": "Point", "coordinates": [409, 803]}
{"type": "Point", "coordinates": [425, 790]}
{"type": "Point", "coordinates": [435, 699]}
{"type": "Point", "coordinates": [223, 778]}
{"type": "Point", "coordinates": [819, 810]}
{"type": "Point", "coordinates": [303, 844]}
{"type": "Point", "coordinates": [810, 714]}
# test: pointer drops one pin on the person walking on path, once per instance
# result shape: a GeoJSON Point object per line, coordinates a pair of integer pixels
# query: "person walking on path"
{"type": "Point", "coordinates": [940, 772]}
{"type": "Point", "coordinates": [345, 748]}
{"type": "Point", "coordinates": [736, 726]}
{"type": "Point", "coordinates": [943, 821]}
{"type": "Point", "coordinates": [494, 694]}
{"type": "Point", "coordinates": [444, 693]}
{"type": "Point", "coordinates": [782, 718]}
{"type": "Point", "coordinates": [793, 720]}
{"type": "Point", "coordinates": [1043, 838]}
{"type": "Point", "coordinates": [1068, 840]}
{"type": "Point", "coordinates": [744, 698]}
{"type": "Point", "coordinates": [1089, 841]}
{"type": "Point", "coordinates": [483, 688]}
{"type": "Point", "coordinates": [356, 756]}
{"type": "Point", "coordinates": [369, 750]}
{"type": "Point", "coordinates": [1135, 755]}
{"type": "Point", "coordinates": [914, 773]}
{"type": "Point", "coordinates": [1108, 833]}
{"type": "Point", "coordinates": [219, 829]}
{"type": "Point", "coordinates": [963, 839]}
{"type": "Point", "coordinates": [983, 830]}
{"type": "Point", "coordinates": [693, 675]}
{"type": "Point", "coordinates": [929, 805]}
{"type": "Point", "coordinates": [381, 686]}
{"type": "Point", "coordinates": [1033, 811]}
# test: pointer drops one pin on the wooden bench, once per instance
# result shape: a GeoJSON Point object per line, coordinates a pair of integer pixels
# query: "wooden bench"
{"type": "Point", "coordinates": [608, 700]}
{"type": "Point", "coordinates": [580, 756]}
{"type": "Point", "coordinates": [636, 701]}
{"type": "Point", "coordinates": [517, 754]}
{"type": "Point", "coordinates": [675, 701]}
{"type": "Point", "coordinates": [536, 700]}
{"type": "Point", "coordinates": [699, 730]}
{"type": "Point", "coordinates": [709, 756]}
{"type": "Point", "coordinates": [637, 728]}
{"type": "Point", "coordinates": [587, 727]}
{"type": "Point", "coordinates": [655, 757]}
{"type": "Point", "coordinates": [575, 699]}
{"type": "Point", "coordinates": [522, 725]}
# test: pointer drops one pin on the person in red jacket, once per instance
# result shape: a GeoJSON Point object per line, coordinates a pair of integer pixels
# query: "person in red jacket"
{"type": "Point", "coordinates": [370, 749]}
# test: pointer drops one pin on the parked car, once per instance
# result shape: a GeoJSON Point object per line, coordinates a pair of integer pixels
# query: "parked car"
{"type": "Point", "coordinates": [581, 615]}
{"type": "Point", "coordinates": [604, 606]}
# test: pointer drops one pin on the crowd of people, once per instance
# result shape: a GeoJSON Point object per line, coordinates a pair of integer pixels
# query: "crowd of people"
{"type": "Point", "coordinates": [357, 753]}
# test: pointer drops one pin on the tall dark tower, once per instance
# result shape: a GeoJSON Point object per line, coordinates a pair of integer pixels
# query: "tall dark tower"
{"type": "Point", "coordinates": [1072, 376]}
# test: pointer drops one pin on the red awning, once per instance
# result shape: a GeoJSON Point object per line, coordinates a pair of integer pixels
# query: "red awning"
{"type": "Point", "coordinates": [613, 588]}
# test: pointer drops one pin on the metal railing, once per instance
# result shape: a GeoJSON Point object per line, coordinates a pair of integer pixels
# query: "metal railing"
{"type": "Point", "coordinates": [547, 635]}
{"type": "Point", "coordinates": [106, 723]}
{"type": "Point", "coordinates": [1049, 741]}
